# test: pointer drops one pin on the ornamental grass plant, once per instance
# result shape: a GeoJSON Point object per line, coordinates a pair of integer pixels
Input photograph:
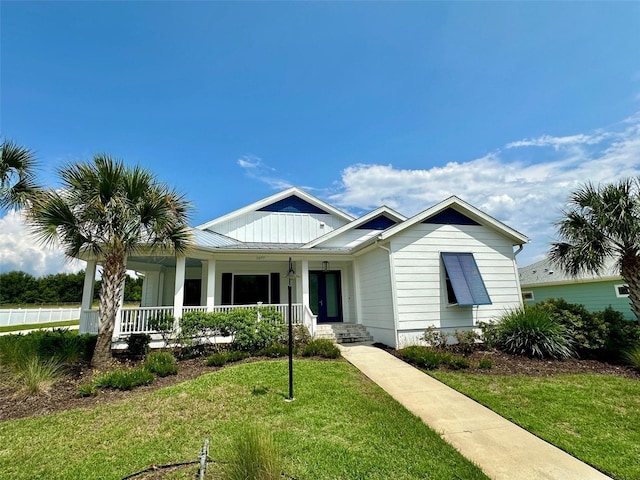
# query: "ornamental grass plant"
{"type": "Point", "coordinates": [531, 332]}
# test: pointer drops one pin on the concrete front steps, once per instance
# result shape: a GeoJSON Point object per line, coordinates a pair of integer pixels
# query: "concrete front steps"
{"type": "Point", "coordinates": [343, 332]}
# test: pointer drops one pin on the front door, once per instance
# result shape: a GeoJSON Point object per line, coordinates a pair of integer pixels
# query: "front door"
{"type": "Point", "coordinates": [325, 295]}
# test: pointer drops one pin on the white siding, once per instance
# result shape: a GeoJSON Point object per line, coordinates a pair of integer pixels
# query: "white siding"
{"type": "Point", "coordinates": [350, 238]}
{"type": "Point", "coordinates": [420, 280]}
{"type": "Point", "coordinates": [279, 227]}
{"type": "Point", "coordinates": [375, 297]}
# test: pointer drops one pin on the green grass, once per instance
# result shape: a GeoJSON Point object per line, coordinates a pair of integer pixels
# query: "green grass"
{"type": "Point", "coordinates": [340, 426]}
{"type": "Point", "coordinates": [33, 326]}
{"type": "Point", "coordinates": [595, 418]}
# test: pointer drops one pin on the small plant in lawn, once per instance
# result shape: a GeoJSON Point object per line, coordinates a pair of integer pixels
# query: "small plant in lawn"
{"type": "Point", "coordinates": [321, 347]}
{"type": "Point", "coordinates": [254, 456]}
{"type": "Point", "coordinates": [35, 375]}
{"type": "Point", "coordinates": [161, 364]}
{"type": "Point", "coordinates": [87, 390]}
{"type": "Point", "coordinates": [531, 332]}
{"type": "Point", "coordinates": [485, 364]}
{"type": "Point", "coordinates": [633, 357]}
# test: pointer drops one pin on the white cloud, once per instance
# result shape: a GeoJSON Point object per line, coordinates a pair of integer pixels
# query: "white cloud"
{"type": "Point", "coordinates": [21, 251]}
{"type": "Point", "coordinates": [255, 168]}
{"type": "Point", "coordinates": [527, 196]}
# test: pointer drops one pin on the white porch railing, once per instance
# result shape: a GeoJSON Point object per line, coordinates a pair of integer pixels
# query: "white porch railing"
{"type": "Point", "coordinates": [136, 320]}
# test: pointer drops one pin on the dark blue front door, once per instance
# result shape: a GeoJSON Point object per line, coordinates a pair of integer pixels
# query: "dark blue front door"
{"type": "Point", "coordinates": [325, 295]}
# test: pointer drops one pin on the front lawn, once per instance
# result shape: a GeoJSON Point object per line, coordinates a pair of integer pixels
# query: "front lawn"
{"type": "Point", "coordinates": [595, 418]}
{"type": "Point", "coordinates": [341, 425]}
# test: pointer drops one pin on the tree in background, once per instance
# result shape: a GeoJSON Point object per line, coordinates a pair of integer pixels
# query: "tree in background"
{"type": "Point", "coordinates": [108, 211]}
{"type": "Point", "coordinates": [17, 175]}
{"type": "Point", "coordinates": [21, 288]}
{"type": "Point", "coordinates": [602, 222]}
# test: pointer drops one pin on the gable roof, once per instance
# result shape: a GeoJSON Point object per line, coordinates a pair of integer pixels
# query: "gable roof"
{"type": "Point", "coordinates": [358, 223]}
{"type": "Point", "coordinates": [280, 202]}
{"type": "Point", "coordinates": [545, 272]}
{"type": "Point", "coordinates": [461, 207]}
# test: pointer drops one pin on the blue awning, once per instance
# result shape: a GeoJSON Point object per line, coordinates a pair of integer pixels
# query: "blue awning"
{"type": "Point", "coordinates": [465, 278]}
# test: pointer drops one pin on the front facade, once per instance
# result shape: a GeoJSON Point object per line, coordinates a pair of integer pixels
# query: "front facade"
{"type": "Point", "coordinates": [450, 267]}
{"type": "Point", "coordinates": [541, 281]}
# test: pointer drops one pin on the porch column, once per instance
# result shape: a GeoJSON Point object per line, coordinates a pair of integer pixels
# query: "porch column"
{"type": "Point", "coordinates": [304, 277]}
{"type": "Point", "coordinates": [178, 290]}
{"type": "Point", "coordinates": [87, 294]}
{"type": "Point", "coordinates": [211, 284]}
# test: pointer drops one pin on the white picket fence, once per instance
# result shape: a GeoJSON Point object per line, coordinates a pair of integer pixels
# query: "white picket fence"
{"type": "Point", "coordinates": [28, 316]}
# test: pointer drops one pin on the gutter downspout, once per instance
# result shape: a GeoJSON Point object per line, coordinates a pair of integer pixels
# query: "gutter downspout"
{"type": "Point", "coordinates": [394, 296]}
{"type": "Point", "coordinates": [517, 274]}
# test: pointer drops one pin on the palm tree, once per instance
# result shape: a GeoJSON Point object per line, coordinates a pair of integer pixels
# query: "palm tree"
{"type": "Point", "coordinates": [108, 211]}
{"type": "Point", "coordinates": [17, 176]}
{"type": "Point", "coordinates": [602, 222]}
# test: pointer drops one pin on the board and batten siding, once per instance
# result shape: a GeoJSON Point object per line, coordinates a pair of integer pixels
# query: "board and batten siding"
{"type": "Point", "coordinates": [420, 278]}
{"type": "Point", "coordinates": [279, 227]}
{"type": "Point", "coordinates": [595, 296]}
{"type": "Point", "coordinates": [374, 295]}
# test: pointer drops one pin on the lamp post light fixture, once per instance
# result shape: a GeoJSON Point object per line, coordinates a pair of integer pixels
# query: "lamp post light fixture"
{"type": "Point", "coordinates": [290, 274]}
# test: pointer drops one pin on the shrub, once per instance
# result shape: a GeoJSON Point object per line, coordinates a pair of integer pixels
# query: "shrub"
{"type": "Point", "coordinates": [219, 359]}
{"type": "Point", "coordinates": [35, 375]}
{"type": "Point", "coordinates": [321, 347]}
{"type": "Point", "coordinates": [161, 364]}
{"type": "Point", "coordinates": [425, 357]}
{"type": "Point", "coordinates": [595, 334]}
{"type": "Point", "coordinates": [435, 338]}
{"type": "Point", "coordinates": [251, 334]}
{"type": "Point", "coordinates": [125, 379]}
{"type": "Point", "coordinates": [62, 344]}
{"type": "Point", "coordinates": [531, 332]}
{"type": "Point", "coordinates": [275, 350]}
{"type": "Point", "coordinates": [457, 363]}
{"type": "Point", "coordinates": [164, 324]}
{"type": "Point", "coordinates": [467, 341]}
{"type": "Point", "coordinates": [633, 357]}
{"type": "Point", "coordinates": [485, 364]}
{"type": "Point", "coordinates": [253, 456]}
{"type": "Point", "coordinates": [138, 345]}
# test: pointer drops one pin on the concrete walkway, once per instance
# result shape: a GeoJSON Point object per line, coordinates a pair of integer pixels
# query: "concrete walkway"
{"type": "Point", "coordinates": [501, 449]}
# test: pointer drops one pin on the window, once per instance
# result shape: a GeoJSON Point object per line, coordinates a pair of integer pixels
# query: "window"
{"type": "Point", "coordinates": [250, 289]}
{"type": "Point", "coordinates": [622, 291]}
{"type": "Point", "coordinates": [528, 296]}
{"type": "Point", "coordinates": [464, 282]}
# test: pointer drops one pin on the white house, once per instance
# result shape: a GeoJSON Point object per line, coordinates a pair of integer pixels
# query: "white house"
{"type": "Point", "coordinates": [449, 266]}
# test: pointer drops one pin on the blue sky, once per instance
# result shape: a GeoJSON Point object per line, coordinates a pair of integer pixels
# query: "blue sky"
{"type": "Point", "coordinates": [508, 105]}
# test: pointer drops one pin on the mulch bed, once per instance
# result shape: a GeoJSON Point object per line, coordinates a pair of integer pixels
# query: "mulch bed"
{"type": "Point", "coordinates": [63, 394]}
{"type": "Point", "coordinates": [506, 364]}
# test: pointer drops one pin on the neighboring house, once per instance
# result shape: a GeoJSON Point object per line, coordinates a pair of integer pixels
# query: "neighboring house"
{"type": "Point", "coordinates": [449, 266]}
{"type": "Point", "coordinates": [542, 280]}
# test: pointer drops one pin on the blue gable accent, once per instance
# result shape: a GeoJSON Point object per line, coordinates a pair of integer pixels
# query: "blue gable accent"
{"type": "Point", "coordinates": [449, 216]}
{"type": "Point", "coordinates": [292, 204]}
{"type": "Point", "coordinates": [465, 278]}
{"type": "Point", "coordinates": [379, 223]}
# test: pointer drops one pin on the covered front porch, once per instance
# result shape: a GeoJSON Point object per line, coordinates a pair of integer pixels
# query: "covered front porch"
{"type": "Point", "coordinates": [321, 291]}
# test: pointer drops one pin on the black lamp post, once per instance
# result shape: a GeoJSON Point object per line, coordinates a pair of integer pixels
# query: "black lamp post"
{"type": "Point", "coordinates": [290, 274]}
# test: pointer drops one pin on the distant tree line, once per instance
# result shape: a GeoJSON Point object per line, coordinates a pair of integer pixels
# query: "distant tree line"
{"type": "Point", "coordinates": [19, 287]}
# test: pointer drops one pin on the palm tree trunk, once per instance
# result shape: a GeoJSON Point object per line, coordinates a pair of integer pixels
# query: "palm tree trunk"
{"type": "Point", "coordinates": [630, 271]}
{"type": "Point", "coordinates": [113, 277]}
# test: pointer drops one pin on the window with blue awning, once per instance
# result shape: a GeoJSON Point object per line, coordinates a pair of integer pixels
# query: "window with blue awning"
{"type": "Point", "coordinates": [464, 282]}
